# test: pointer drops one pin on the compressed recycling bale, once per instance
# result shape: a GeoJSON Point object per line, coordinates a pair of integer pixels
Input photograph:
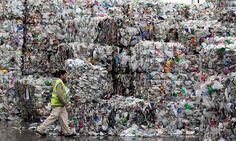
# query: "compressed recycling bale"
{"type": "Point", "coordinates": [88, 81]}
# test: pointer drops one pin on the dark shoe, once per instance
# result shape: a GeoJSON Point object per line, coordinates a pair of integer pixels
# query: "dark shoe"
{"type": "Point", "coordinates": [42, 134]}
{"type": "Point", "coordinates": [70, 135]}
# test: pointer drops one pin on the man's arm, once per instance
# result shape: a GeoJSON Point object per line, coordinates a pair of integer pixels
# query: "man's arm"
{"type": "Point", "coordinates": [60, 94]}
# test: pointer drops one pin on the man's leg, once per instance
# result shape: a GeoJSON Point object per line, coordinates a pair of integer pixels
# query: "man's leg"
{"type": "Point", "coordinates": [51, 119]}
{"type": "Point", "coordinates": [63, 119]}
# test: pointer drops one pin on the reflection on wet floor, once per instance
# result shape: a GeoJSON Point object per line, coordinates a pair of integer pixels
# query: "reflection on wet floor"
{"type": "Point", "coordinates": [20, 132]}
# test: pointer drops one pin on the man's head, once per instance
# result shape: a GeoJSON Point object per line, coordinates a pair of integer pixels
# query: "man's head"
{"type": "Point", "coordinates": [62, 74]}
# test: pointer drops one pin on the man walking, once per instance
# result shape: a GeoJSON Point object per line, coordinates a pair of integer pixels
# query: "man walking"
{"type": "Point", "coordinates": [59, 104]}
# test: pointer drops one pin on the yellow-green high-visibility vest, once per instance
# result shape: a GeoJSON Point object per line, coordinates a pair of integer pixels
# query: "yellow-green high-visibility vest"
{"type": "Point", "coordinates": [55, 102]}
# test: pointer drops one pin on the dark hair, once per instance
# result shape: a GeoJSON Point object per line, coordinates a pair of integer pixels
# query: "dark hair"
{"type": "Point", "coordinates": [59, 73]}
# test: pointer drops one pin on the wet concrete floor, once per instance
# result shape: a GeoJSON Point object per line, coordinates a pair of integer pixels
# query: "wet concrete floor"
{"type": "Point", "coordinates": [19, 132]}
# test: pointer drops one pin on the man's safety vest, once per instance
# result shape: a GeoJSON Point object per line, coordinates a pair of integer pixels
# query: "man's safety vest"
{"type": "Point", "coordinates": [55, 102]}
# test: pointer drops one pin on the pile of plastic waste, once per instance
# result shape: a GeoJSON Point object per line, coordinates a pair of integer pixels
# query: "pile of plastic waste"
{"type": "Point", "coordinates": [135, 68]}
